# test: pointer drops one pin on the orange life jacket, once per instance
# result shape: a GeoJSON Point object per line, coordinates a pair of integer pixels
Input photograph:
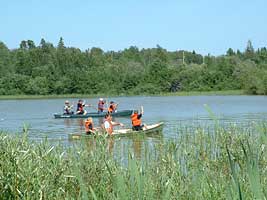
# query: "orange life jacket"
{"type": "Point", "coordinates": [87, 124]}
{"type": "Point", "coordinates": [135, 120]}
{"type": "Point", "coordinates": [110, 130]}
{"type": "Point", "coordinates": [111, 108]}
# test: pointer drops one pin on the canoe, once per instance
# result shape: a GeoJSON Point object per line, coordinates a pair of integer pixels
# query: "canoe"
{"type": "Point", "coordinates": [154, 128]}
{"type": "Point", "coordinates": [121, 113]}
{"type": "Point", "coordinates": [150, 129]}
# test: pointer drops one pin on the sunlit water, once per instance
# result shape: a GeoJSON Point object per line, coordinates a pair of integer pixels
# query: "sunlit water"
{"type": "Point", "coordinates": [176, 112]}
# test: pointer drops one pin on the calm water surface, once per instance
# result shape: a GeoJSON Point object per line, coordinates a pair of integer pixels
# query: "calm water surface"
{"type": "Point", "coordinates": [174, 111]}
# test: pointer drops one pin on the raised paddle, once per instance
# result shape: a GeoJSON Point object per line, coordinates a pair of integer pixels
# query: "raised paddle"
{"type": "Point", "coordinates": [142, 110]}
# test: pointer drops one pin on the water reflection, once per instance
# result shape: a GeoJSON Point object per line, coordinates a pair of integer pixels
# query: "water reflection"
{"type": "Point", "coordinates": [121, 147]}
{"type": "Point", "coordinates": [100, 121]}
{"type": "Point", "coordinates": [137, 147]}
{"type": "Point", "coordinates": [67, 122]}
{"type": "Point", "coordinates": [93, 143]}
{"type": "Point", "coordinates": [80, 123]}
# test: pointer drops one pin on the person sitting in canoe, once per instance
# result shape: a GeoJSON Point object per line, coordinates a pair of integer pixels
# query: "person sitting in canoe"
{"type": "Point", "coordinates": [136, 120]}
{"type": "Point", "coordinates": [89, 126]}
{"type": "Point", "coordinates": [67, 110]}
{"type": "Point", "coordinates": [80, 108]}
{"type": "Point", "coordinates": [101, 105]}
{"type": "Point", "coordinates": [112, 107]}
{"type": "Point", "coordinates": [108, 124]}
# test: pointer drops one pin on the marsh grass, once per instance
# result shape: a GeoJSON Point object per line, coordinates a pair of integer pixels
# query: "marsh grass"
{"type": "Point", "coordinates": [218, 163]}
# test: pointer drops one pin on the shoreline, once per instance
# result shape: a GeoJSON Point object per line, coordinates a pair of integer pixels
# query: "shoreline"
{"type": "Point", "coordinates": [192, 93]}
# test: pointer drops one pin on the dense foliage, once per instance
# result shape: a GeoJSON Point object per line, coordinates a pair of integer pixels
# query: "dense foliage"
{"type": "Point", "coordinates": [46, 69]}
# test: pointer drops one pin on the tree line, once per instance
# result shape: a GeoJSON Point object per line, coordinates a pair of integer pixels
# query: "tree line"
{"type": "Point", "coordinates": [48, 69]}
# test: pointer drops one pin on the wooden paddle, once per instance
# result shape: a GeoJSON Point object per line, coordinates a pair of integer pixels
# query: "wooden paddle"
{"type": "Point", "coordinates": [142, 110]}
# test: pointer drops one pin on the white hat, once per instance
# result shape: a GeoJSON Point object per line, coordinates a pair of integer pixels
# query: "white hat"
{"type": "Point", "coordinates": [101, 99]}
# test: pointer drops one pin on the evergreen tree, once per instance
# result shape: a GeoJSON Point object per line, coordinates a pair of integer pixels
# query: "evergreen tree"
{"type": "Point", "coordinates": [230, 52]}
{"type": "Point", "coordinates": [23, 45]}
{"type": "Point", "coordinates": [30, 44]}
{"type": "Point", "coordinates": [61, 43]}
{"type": "Point", "coordinates": [249, 51]}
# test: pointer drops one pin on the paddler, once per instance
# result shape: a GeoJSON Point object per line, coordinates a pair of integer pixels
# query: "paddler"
{"type": "Point", "coordinates": [136, 120]}
{"type": "Point", "coordinates": [112, 107]}
{"type": "Point", "coordinates": [67, 110]}
{"type": "Point", "coordinates": [101, 105]}
{"type": "Point", "coordinates": [108, 124]}
{"type": "Point", "coordinates": [89, 126]}
{"type": "Point", "coordinates": [80, 107]}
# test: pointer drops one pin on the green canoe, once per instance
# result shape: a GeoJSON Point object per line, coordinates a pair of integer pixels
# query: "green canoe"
{"type": "Point", "coordinates": [149, 129]}
{"type": "Point", "coordinates": [121, 113]}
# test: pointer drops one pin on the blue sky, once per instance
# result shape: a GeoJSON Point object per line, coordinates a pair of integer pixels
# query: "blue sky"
{"type": "Point", "coordinates": [205, 26]}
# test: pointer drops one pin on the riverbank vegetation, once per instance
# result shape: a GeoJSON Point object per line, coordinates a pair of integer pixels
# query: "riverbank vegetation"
{"type": "Point", "coordinates": [218, 163]}
{"type": "Point", "coordinates": [46, 69]}
{"type": "Point", "coordinates": [181, 93]}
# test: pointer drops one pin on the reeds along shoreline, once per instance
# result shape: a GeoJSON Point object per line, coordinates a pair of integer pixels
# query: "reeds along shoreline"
{"type": "Point", "coordinates": [221, 164]}
{"type": "Point", "coordinates": [181, 93]}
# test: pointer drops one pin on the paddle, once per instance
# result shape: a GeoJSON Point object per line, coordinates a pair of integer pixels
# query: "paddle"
{"type": "Point", "coordinates": [106, 104]}
{"type": "Point", "coordinates": [93, 106]}
{"type": "Point", "coordinates": [142, 110]}
{"type": "Point", "coordinates": [93, 132]}
{"type": "Point", "coordinates": [116, 107]}
{"type": "Point", "coordinates": [89, 105]}
{"type": "Point", "coordinates": [72, 108]}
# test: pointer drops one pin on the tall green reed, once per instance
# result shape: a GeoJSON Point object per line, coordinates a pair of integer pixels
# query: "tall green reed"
{"type": "Point", "coordinates": [197, 165]}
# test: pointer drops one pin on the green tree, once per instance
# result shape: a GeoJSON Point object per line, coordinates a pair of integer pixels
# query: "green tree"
{"type": "Point", "coordinates": [230, 52]}
{"type": "Point", "coordinates": [30, 44]}
{"type": "Point", "coordinates": [96, 57]}
{"type": "Point", "coordinates": [5, 60]}
{"type": "Point", "coordinates": [249, 51]}
{"type": "Point", "coordinates": [23, 45]}
{"type": "Point", "coordinates": [161, 54]}
{"type": "Point", "coordinates": [61, 44]}
{"type": "Point", "coordinates": [46, 69]}
{"type": "Point", "coordinates": [38, 85]}
{"type": "Point", "coordinates": [158, 75]}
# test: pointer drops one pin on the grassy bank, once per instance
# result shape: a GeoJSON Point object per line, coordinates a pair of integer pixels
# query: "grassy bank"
{"type": "Point", "coordinates": [204, 93]}
{"type": "Point", "coordinates": [217, 164]}
{"type": "Point", "coordinates": [193, 93]}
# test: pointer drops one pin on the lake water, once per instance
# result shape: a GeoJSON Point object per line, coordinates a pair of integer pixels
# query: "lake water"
{"type": "Point", "coordinates": [175, 111]}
